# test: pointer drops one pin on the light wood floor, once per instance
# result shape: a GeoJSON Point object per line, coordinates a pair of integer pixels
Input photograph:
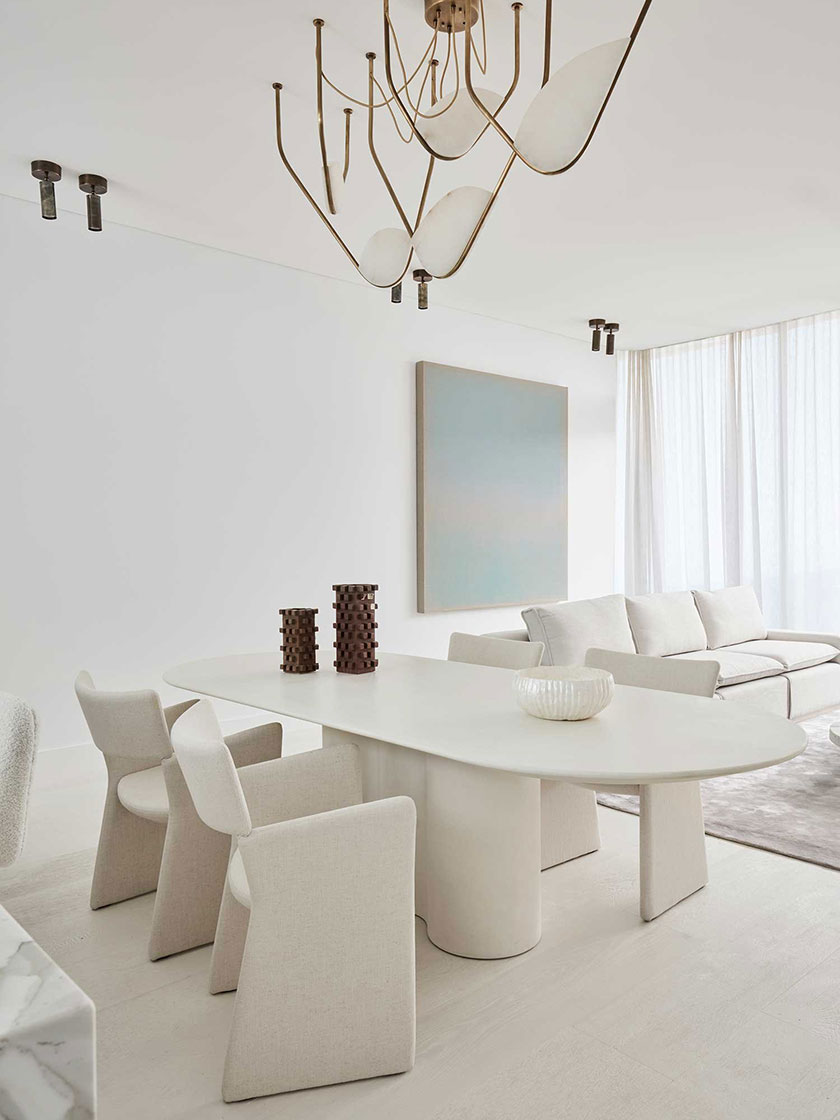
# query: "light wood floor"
{"type": "Point", "coordinates": [726, 1008]}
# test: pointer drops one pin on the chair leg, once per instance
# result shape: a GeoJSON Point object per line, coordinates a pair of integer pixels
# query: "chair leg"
{"type": "Point", "coordinates": [672, 845]}
{"type": "Point", "coordinates": [231, 932]}
{"type": "Point", "coordinates": [130, 849]}
{"type": "Point", "coordinates": [569, 822]}
{"type": "Point", "coordinates": [192, 874]}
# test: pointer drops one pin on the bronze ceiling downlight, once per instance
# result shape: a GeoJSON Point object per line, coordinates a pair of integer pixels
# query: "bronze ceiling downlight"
{"type": "Point", "coordinates": [48, 174]}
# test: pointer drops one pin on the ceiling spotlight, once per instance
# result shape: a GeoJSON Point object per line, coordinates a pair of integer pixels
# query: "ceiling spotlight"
{"type": "Point", "coordinates": [595, 326]}
{"type": "Point", "coordinates": [94, 186]}
{"type": "Point", "coordinates": [611, 331]}
{"type": "Point", "coordinates": [48, 174]}
{"type": "Point", "coordinates": [396, 293]}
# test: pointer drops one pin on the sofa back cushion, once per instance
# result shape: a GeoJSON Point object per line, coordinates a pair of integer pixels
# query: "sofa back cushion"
{"type": "Point", "coordinates": [730, 615]}
{"type": "Point", "coordinates": [568, 630]}
{"type": "Point", "coordinates": [666, 623]}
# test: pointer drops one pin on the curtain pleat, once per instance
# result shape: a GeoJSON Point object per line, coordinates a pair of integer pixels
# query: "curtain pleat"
{"type": "Point", "coordinates": [731, 459]}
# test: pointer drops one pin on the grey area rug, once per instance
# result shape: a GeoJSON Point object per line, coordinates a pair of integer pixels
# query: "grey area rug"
{"type": "Point", "coordinates": [792, 809]}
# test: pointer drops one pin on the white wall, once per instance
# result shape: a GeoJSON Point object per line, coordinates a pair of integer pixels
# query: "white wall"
{"type": "Point", "coordinates": [191, 440]}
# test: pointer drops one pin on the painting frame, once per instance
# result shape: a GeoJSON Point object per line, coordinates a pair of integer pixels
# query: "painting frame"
{"type": "Point", "coordinates": [533, 588]}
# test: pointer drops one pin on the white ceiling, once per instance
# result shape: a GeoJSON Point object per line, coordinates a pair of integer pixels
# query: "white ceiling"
{"type": "Point", "coordinates": [708, 200]}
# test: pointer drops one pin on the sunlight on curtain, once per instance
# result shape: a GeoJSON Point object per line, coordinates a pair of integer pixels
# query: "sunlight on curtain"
{"type": "Point", "coordinates": [731, 468]}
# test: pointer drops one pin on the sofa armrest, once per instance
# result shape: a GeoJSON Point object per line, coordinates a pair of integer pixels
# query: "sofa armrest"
{"type": "Point", "coordinates": [511, 635]}
{"type": "Point", "coordinates": [805, 636]}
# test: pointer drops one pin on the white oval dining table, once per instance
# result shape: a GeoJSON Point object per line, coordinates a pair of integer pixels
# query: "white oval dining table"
{"type": "Point", "coordinates": [451, 736]}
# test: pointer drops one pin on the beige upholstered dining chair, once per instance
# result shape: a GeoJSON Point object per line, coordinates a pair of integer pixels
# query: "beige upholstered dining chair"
{"type": "Point", "coordinates": [501, 653]}
{"type": "Point", "coordinates": [569, 820]}
{"type": "Point", "coordinates": [667, 674]}
{"type": "Point", "coordinates": [325, 973]}
{"type": "Point", "coordinates": [151, 837]}
{"type": "Point", "coordinates": [18, 739]}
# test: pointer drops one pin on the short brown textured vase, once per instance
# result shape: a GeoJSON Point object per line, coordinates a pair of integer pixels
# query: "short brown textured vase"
{"type": "Point", "coordinates": [299, 646]}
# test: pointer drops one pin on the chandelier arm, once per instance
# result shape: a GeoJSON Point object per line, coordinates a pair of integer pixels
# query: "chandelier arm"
{"type": "Point", "coordinates": [405, 87]}
{"type": "Point", "coordinates": [385, 100]}
{"type": "Point", "coordinates": [517, 8]}
{"type": "Point", "coordinates": [445, 61]}
{"type": "Point", "coordinates": [282, 152]}
{"type": "Point", "coordinates": [491, 117]}
{"type": "Point", "coordinates": [393, 88]}
{"type": "Point", "coordinates": [547, 43]}
{"type": "Point", "coordinates": [302, 187]}
{"type": "Point", "coordinates": [348, 113]}
{"type": "Point", "coordinates": [482, 65]}
{"type": "Point", "coordinates": [482, 219]}
{"type": "Point", "coordinates": [409, 228]}
{"type": "Point", "coordinates": [319, 23]}
{"type": "Point", "coordinates": [412, 123]}
{"type": "Point", "coordinates": [425, 193]}
{"type": "Point", "coordinates": [455, 54]}
{"type": "Point", "coordinates": [393, 115]}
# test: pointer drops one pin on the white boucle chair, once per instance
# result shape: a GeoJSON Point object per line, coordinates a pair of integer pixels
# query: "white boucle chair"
{"type": "Point", "coordinates": [18, 739]}
{"type": "Point", "coordinates": [151, 837]}
{"type": "Point", "coordinates": [568, 814]}
{"type": "Point", "coordinates": [325, 988]}
{"type": "Point", "coordinates": [672, 864]}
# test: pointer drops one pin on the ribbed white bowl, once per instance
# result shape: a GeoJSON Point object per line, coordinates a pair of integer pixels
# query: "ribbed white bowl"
{"type": "Point", "coordinates": [563, 691]}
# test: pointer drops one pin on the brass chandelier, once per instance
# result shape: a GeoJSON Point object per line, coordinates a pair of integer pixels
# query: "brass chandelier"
{"type": "Point", "coordinates": [553, 134]}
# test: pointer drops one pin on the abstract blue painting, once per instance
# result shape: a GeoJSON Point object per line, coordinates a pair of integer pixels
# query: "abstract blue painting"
{"type": "Point", "coordinates": [491, 490]}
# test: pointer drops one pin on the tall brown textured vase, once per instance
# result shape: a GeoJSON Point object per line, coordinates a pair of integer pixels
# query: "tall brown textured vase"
{"type": "Point", "coordinates": [355, 627]}
{"type": "Point", "coordinates": [299, 645]}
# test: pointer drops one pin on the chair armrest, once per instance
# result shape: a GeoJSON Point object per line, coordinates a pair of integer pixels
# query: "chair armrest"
{"type": "Point", "coordinates": [256, 744]}
{"type": "Point", "coordinates": [511, 635]}
{"type": "Point", "coordinates": [322, 853]}
{"type": "Point", "coordinates": [171, 713]}
{"type": "Point", "coordinates": [316, 781]}
{"type": "Point", "coordinates": [804, 636]}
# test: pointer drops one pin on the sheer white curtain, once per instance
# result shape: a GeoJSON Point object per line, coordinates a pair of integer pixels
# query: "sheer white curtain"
{"type": "Point", "coordinates": [731, 468]}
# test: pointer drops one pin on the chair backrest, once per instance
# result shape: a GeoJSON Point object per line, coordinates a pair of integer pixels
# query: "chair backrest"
{"type": "Point", "coordinates": [501, 653]}
{"type": "Point", "coordinates": [18, 738]}
{"type": "Point", "coordinates": [667, 674]}
{"type": "Point", "coordinates": [209, 771]}
{"type": "Point", "coordinates": [124, 724]}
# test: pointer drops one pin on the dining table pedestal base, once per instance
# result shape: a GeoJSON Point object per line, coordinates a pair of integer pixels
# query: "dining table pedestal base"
{"type": "Point", "coordinates": [478, 860]}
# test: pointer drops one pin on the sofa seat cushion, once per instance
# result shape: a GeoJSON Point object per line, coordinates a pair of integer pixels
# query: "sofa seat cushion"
{"type": "Point", "coordinates": [568, 630]}
{"type": "Point", "coordinates": [814, 690]}
{"type": "Point", "coordinates": [665, 623]}
{"type": "Point", "coordinates": [770, 694]}
{"type": "Point", "coordinates": [791, 655]}
{"type": "Point", "coordinates": [736, 667]}
{"type": "Point", "coordinates": [730, 615]}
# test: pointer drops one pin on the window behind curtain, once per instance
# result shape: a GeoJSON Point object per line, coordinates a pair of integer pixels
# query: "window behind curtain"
{"type": "Point", "coordinates": [730, 454]}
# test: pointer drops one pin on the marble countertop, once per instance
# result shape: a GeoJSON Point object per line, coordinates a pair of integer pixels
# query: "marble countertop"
{"type": "Point", "coordinates": [47, 1034]}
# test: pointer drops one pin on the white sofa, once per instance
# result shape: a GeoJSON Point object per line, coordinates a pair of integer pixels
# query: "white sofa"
{"type": "Point", "coordinates": [783, 671]}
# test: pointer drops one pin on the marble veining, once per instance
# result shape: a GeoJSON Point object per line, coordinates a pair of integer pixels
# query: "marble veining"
{"type": "Point", "coordinates": [47, 1035]}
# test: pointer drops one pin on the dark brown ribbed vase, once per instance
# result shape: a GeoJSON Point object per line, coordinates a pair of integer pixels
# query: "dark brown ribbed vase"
{"type": "Point", "coordinates": [299, 646]}
{"type": "Point", "coordinates": [355, 627]}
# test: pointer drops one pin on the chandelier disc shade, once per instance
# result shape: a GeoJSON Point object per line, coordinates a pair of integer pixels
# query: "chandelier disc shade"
{"type": "Point", "coordinates": [445, 124]}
